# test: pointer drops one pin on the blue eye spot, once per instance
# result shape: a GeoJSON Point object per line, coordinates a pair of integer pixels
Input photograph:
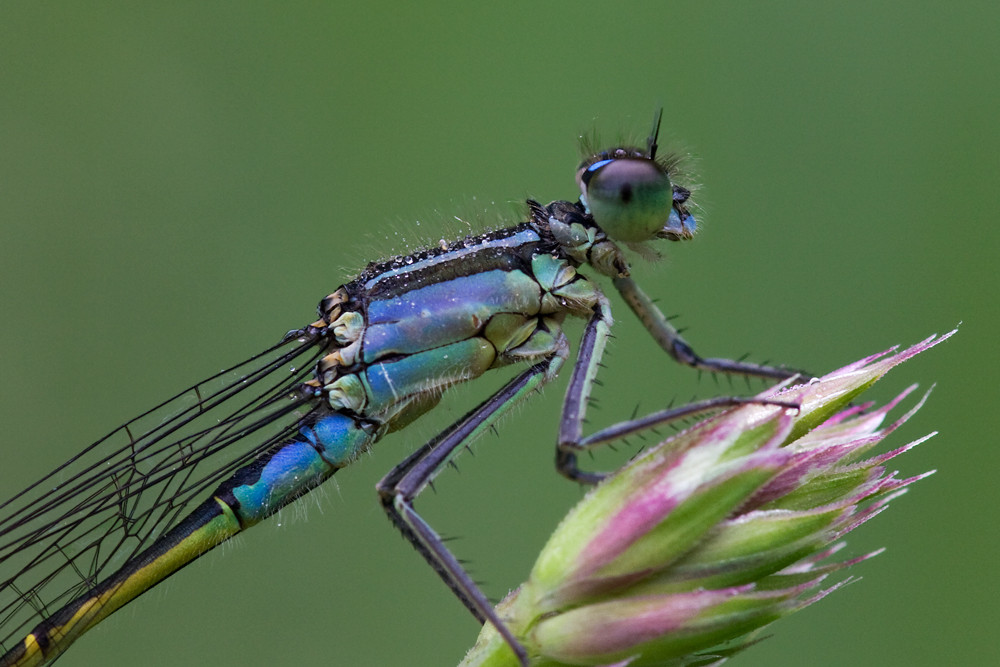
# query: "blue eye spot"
{"type": "Point", "coordinates": [597, 165]}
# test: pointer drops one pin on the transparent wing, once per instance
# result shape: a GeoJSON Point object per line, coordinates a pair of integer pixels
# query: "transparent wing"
{"type": "Point", "coordinates": [86, 518]}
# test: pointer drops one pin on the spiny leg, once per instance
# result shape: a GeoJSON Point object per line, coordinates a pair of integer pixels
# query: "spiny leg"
{"type": "Point", "coordinates": [670, 340]}
{"type": "Point", "coordinates": [400, 487]}
{"type": "Point", "coordinates": [624, 429]}
{"type": "Point", "coordinates": [595, 338]}
{"type": "Point", "coordinates": [571, 441]}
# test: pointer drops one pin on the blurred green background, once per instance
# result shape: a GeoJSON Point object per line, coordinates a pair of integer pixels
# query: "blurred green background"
{"type": "Point", "coordinates": [180, 185]}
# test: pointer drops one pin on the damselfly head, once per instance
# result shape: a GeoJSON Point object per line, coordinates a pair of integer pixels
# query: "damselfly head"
{"type": "Point", "coordinates": [631, 197]}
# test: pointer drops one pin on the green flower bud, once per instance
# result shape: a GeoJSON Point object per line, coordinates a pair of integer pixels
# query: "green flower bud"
{"type": "Point", "coordinates": [706, 538]}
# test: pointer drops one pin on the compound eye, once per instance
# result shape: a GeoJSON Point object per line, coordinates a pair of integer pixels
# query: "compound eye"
{"type": "Point", "coordinates": [630, 198]}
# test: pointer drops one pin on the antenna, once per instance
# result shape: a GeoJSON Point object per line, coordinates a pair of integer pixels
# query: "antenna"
{"type": "Point", "coordinates": [651, 141]}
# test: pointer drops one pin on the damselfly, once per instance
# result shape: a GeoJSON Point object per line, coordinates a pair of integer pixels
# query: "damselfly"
{"type": "Point", "coordinates": [180, 479]}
